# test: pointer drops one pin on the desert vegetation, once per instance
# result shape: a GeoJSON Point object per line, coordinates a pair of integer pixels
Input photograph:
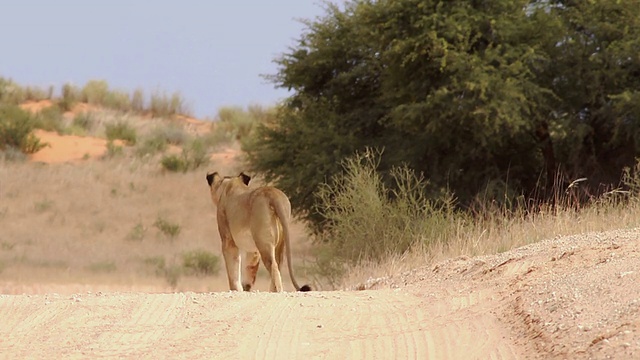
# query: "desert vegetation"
{"type": "Point", "coordinates": [420, 130]}
{"type": "Point", "coordinates": [498, 100]}
{"type": "Point", "coordinates": [495, 124]}
{"type": "Point", "coordinates": [16, 127]}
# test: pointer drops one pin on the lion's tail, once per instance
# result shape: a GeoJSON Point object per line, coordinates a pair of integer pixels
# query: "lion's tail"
{"type": "Point", "coordinates": [283, 216]}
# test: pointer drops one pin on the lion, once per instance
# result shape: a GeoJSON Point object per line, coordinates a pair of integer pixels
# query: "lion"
{"type": "Point", "coordinates": [256, 222]}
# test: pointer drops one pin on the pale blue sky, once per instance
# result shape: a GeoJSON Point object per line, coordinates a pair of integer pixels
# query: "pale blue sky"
{"type": "Point", "coordinates": [212, 52]}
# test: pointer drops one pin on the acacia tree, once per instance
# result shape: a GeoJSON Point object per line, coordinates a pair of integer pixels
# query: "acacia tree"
{"type": "Point", "coordinates": [473, 94]}
{"type": "Point", "coordinates": [596, 76]}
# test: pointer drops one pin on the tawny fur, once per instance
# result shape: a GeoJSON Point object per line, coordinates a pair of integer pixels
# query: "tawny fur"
{"type": "Point", "coordinates": [253, 221]}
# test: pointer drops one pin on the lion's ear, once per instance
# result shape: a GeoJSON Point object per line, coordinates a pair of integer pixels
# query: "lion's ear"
{"type": "Point", "coordinates": [210, 177]}
{"type": "Point", "coordinates": [245, 178]}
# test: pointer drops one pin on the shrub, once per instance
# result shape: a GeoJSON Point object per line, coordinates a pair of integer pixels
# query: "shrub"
{"type": "Point", "coordinates": [70, 95]}
{"type": "Point", "coordinates": [163, 105]}
{"type": "Point", "coordinates": [118, 100]}
{"type": "Point", "coordinates": [170, 273]}
{"type": "Point", "coordinates": [84, 121]}
{"type": "Point", "coordinates": [43, 205]}
{"type": "Point", "coordinates": [196, 153]}
{"type": "Point", "coordinates": [169, 229]}
{"type": "Point", "coordinates": [102, 267]}
{"type": "Point", "coordinates": [137, 100]}
{"type": "Point", "coordinates": [200, 262]}
{"type": "Point", "coordinates": [32, 93]}
{"type": "Point", "coordinates": [13, 155]}
{"type": "Point", "coordinates": [193, 156]}
{"type": "Point", "coordinates": [10, 92]}
{"type": "Point", "coordinates": [158, 262]}
{"type": "Point", "coordinates": [234, 123]}
{"type": "Point", "coordinates": [121, 130]}
{"type": "Point", "coordinates": [137, 233]}
{"type": "Point", "coordinates": [150, 146]}
{"type": "Point", "coordinates": [95, 92]}
{"type": "Point", "coordinates": [50, 119]}
{"type": "Point", "coordinates": [113, 150]}
{"type": "Point", "coordinates": [171, 134]}
{"type": "Point", "coordinates": [16, 126]}
{"type": "Point", "coordinates": [174, 163]}
{"type": "Point", "coordinates": [366, 220]}
{"type": "Point", "coordinates": [158, 140]}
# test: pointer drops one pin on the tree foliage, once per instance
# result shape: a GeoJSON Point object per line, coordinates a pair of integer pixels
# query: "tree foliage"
{"type": "Point", "coordinates": [473, 94]}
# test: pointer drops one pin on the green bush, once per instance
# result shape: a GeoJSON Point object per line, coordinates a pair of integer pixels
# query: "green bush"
{"type": "Point", "coordinates": [121, 130]}
{"type": "Point", "coordinates": [70, 96]}
{"type": "Point", "coordinates": [137, 101]}
{"type": "Point", "coordinates": [171, 230]}
{"type": "Point", "coordinates": [16, 130]}
{"type": "Point", "coordinates": [50, 119]}
{"type": "Point", "coordinates": [174, 163]}
{"type": "Point", "coordinates": [193, 156]}
{"type": "Point", "coordinates": [43, 205]}
{"type": "Point", "coordinates": [151, 146]}
{"type": "Point", "coordinates": [113, 150]}
{"type": "Point", "coordinates": [33, 93]}
{"type": "Point", "coordinates": [235, 123]}
{"type": "Point", "coordinates": [196, 153]}
{"type": "Point", "coordinates": [367, 220]}
{"type": "Point", "coordinates": [163, 105]}
{"type": "Point", "coordinates": [200, 262]}
{"type": "Point", "coordinates": [12, 154]}
{"type": "Point", "coordinates": [95, 92]}
{"type": "Point", "coordinates": [84, 121]}
{"type": "Point", "coordinates": [157, 262]}
{"type": "Point", "coordinates": [170, 273]}
{"type": "Point", "coordinates": [158, 140]}
{"type": "Point", "coordinates": [118, 100]}
{"type": "Point", "coordinates": [172, 134]}
{"type": "Point", "coordinates": [10, 92]}
{"type": "Point", "coordinates": [137, 233]}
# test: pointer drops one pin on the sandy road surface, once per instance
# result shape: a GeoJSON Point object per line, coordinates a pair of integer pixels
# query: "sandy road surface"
{"type": "Point", "coordinates": [379, 324]}
{"type": "Point", "coordinates": [576, 297]}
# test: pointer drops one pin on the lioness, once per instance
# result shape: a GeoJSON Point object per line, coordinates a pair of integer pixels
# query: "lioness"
{"type": "Point", "coordinates": [255, 221]}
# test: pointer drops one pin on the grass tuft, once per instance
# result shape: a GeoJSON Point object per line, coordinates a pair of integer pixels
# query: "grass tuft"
{"type": "Point", "coordinates": [163, 105]}
{"type": "Point", "coordinates": [169, 229]}
{"type": "Point", "coordinates": [368, 221]}
{"type": "Point", "coordinates": [201, 263]}
{"type": "Point", "coordinates": [102, 267]}
{"type": "Point", "coordinates": [121, 130]}
{"type": "Point", "coordinates": [137, 233]}
{"type": "Point", "coordinates": [16, 127]}
{"type": "Point", "coordinates": [193, 156]}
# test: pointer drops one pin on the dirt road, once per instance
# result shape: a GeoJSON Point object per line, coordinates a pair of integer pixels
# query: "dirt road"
{"type": "Point", "coordinates": [575, 297]}
{"type": "Point", "coordinates": [380, 324]}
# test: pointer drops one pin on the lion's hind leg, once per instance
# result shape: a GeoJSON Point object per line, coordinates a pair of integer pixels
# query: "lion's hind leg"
{"type": "Point", "coordinates": [267, 249]}
{"type": "Point", "coordinates": [265, 236]}
{"type": "Point", "coordinates": [231, 255]}
{"type": "Point", "coordinates": [250, 270]}
{"type": "Point", "coordinates": [269, 261]}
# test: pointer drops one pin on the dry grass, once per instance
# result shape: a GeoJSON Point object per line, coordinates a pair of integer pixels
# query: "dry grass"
{"type": "Point", "coordinates": [93, 222]}
{"type": "Point", "coordinates": [497, 234]}
{"type": "Point", "coordinates": [96, 222]}
{"type": "Point", "coordinates": [371, 234]}
{"type": "Point", "coordinates": [75, 219]}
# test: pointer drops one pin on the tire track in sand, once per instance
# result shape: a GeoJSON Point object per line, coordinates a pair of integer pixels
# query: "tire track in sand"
{"type": "Point", "coordinates": [377, 324]}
